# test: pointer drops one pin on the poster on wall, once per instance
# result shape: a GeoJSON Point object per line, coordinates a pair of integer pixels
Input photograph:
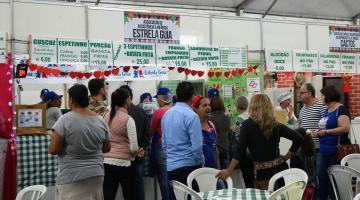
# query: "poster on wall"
{"type": "Point", "coordinates": [253, 84]}
{"type": "Point", "coordinates": [2, 48]}
{"type": "Point", "coordinates": [151, 28]}
{"type": "Point", "coordinates": [344, 39]}
{"type": "Point", "coordinates": [172, 55]}
{"type": "Point", "coordinates": [44, 51]}
{"type": "Point", "coordinates": [73, 52]}
{"type": "Point", "coordinates": [305, 61]}
{"type": "Point", "coordinates": [204, 56]}
{"type": "Point", "coordinates": [329, 62]}
{"type": "Point", "coordinates": [348, 63]}
{"type": "Point", "coordinates": [233, 57]}
{"type": "Point", "coordinates": [134, 54]}
{"type": "Point", "coordinates": [279, 60]}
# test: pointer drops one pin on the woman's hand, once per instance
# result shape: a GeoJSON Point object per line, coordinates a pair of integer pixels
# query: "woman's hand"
{"type": "Point", "coordinates": [319, 133]}
{"type": "Point", "coordinates": [223, 174]}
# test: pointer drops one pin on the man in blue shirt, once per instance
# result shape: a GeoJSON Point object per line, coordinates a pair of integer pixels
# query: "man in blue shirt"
{"type": "Point", "coordinates": [182, 136]}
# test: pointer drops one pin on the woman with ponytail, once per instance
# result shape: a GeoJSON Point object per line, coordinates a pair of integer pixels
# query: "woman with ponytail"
{"type": "Point", "coordinates": [117, 162]}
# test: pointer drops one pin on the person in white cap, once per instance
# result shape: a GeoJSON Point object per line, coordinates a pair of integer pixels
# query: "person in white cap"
{"type": "Point", "coordinates": [285, 103]}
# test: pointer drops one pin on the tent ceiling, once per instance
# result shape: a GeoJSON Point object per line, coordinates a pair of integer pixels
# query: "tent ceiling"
{"type": "Point", "coordinates": [322, 9]}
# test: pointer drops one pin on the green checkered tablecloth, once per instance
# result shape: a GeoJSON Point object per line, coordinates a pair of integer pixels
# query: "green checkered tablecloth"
{"type": "Point", "coordinates": [235, 194]}
{"type": "Point", "coordinates": [34, 164]}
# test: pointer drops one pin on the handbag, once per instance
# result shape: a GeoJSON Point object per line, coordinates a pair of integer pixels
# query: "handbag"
{"type": "Point", "coordinates": [346, 149]}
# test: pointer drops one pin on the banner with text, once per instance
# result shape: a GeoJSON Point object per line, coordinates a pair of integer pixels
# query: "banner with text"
{"type": "Point", "coordinates": [150, 27]}
{"type": "Point", "coordinates": [45, 51]}
{"type": "Point", "coordinates": [2, 48]}
{"type": "Point", "coordinates": [311, 61]}
{"type": "Point", "coordinates": [141, 73]}
{"type": "Point", "coordinates": [344, 39]}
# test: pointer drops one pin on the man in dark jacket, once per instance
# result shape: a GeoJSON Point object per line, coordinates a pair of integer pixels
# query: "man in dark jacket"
{"type": "Point", "coordinates": [143, 133]}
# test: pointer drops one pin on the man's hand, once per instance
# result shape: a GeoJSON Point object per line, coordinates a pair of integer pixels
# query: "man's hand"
{"type": "Point", "coordinates": [140, 152]}
{"type": "Point", "coordinates": [290, 111]}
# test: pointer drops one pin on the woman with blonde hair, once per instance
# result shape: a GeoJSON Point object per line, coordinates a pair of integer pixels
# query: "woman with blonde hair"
{"type": "Point", "coordinates": [261, 134]}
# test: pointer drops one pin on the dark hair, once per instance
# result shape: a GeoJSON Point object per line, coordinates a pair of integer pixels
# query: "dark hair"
{"type": "Point", "coordinates": [79, 94]}
{"type": "Point", "coordinates": [118, 99]}
{"type": "Point", "coordinates": [310, 88]}
{"type": "Point", "coordinates": [126, 87]}
{"type": "Point", "coordinates": [216, 104]}
{"type": "Point", "coordinates": [307, 147]}
{"type": "Point", "coordinates": [331, 94]}
{"type": "Point", "coordinates": [184, 91]}
{"type": "Point", "coordinates": [242, 103]}
{"type": "Point", "coordinates": [95, 85]}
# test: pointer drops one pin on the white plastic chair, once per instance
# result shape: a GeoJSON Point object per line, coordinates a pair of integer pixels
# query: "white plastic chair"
{"type": "Point", "coordinates": [37, 192]}
{"type": "Point", "coordinates": [292, 191]}
{"type": "Point", "coordinates": [353, 161]}
{"type": "Point", "coordinates": [289, 176]}
{"type": "Point", "coordinates": [357, 197]}
{"type": "Point", "coordinates": [182, 191]}
{"type": "Point", "coordinates": [341, 178]}
{"type": "Point", "coordinates": [206, 180]}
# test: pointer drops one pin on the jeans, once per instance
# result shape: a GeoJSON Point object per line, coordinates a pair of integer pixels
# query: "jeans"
{"type": "Point", "coordinates": [316, 165]}
{"type": "Point", "coordinates": [115, 175]}
{"type": "Point", "coordinates": [181, 175]}
{"type": "Point", "coordinates": [139, 180]}
{"type": "Point", "coordinates": [324, 182]}
{"type": "Point", "coordinates": [158, 162]}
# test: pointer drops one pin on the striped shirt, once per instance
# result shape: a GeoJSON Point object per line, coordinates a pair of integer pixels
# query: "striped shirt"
{"type": "Point", "coordinates": [310, 116]}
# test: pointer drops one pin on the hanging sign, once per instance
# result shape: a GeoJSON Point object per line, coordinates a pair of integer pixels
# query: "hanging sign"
{"type": "Point", "coordinates": [329, 62]}
{"type": "Point", "coordinates": [279, 60]}
{"type": "Point", "coordinates": [134, 54]}
{"type": "Point", "coordinates": [3, 48]}
{"type": "Point", "coordinates": [348, 63]}
{"type": "Point", "coordinates": [73, 52]}
{"type": "Point", "coordinates": [150, 27]}
{"type": "Point", "coordinates": [172, 55]}
{"type": "Point", "coordinates": [44, 51]}
{"type": "Point", "coordinates": [101, 53]}
{"type": "Point", "coordinates": [201, 57]}
{"type": "Point", "coordinates": [142, 73]}
{"type": "Point", "coordinates": [305, 61]}
{"type": "Point", "coordinates": [344, 39]}
{"type": "Point", "coordinates": [233, 57]}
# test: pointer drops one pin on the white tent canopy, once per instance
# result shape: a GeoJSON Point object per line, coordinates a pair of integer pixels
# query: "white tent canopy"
{"type": "Point", "coordinates": [347, 10]}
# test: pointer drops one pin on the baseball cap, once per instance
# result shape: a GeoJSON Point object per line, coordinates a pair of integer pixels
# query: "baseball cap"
{"type": "Point", "coordinates": [283, 96]}
{"type": "Point", "coordinates": [196, 101]}
{"type": "Point", "coordinates": [52, 96]}
{"type": "Point", "coordinates": [44, 91]}
{"type": "Point", "coordinates": [213, 93]}
{"type": "Point", "coordinates": [162, 91]}
{"type": "Point", "coordinates": [145, 97]}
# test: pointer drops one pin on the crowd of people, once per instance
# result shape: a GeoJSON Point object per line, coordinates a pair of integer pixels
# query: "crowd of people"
{"type": "Point", "coordinates": [101, 147]}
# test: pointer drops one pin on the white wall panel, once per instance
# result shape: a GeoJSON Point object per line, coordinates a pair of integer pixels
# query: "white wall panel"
{"type": "Point", "coordinates": [194, 30]}
{"type": "Point", "coordinates": [284, 35]}
{"type": "Point", "coordinates": [106, 25]}
{"type": "Point", "coordinates": [5, 17]}
{"type": "Point", "coordinates": [233, 32]}
{"type": "Point", "coordinates": [49, 20]}
{"type": "Point", "coordinates": [318, 37]}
